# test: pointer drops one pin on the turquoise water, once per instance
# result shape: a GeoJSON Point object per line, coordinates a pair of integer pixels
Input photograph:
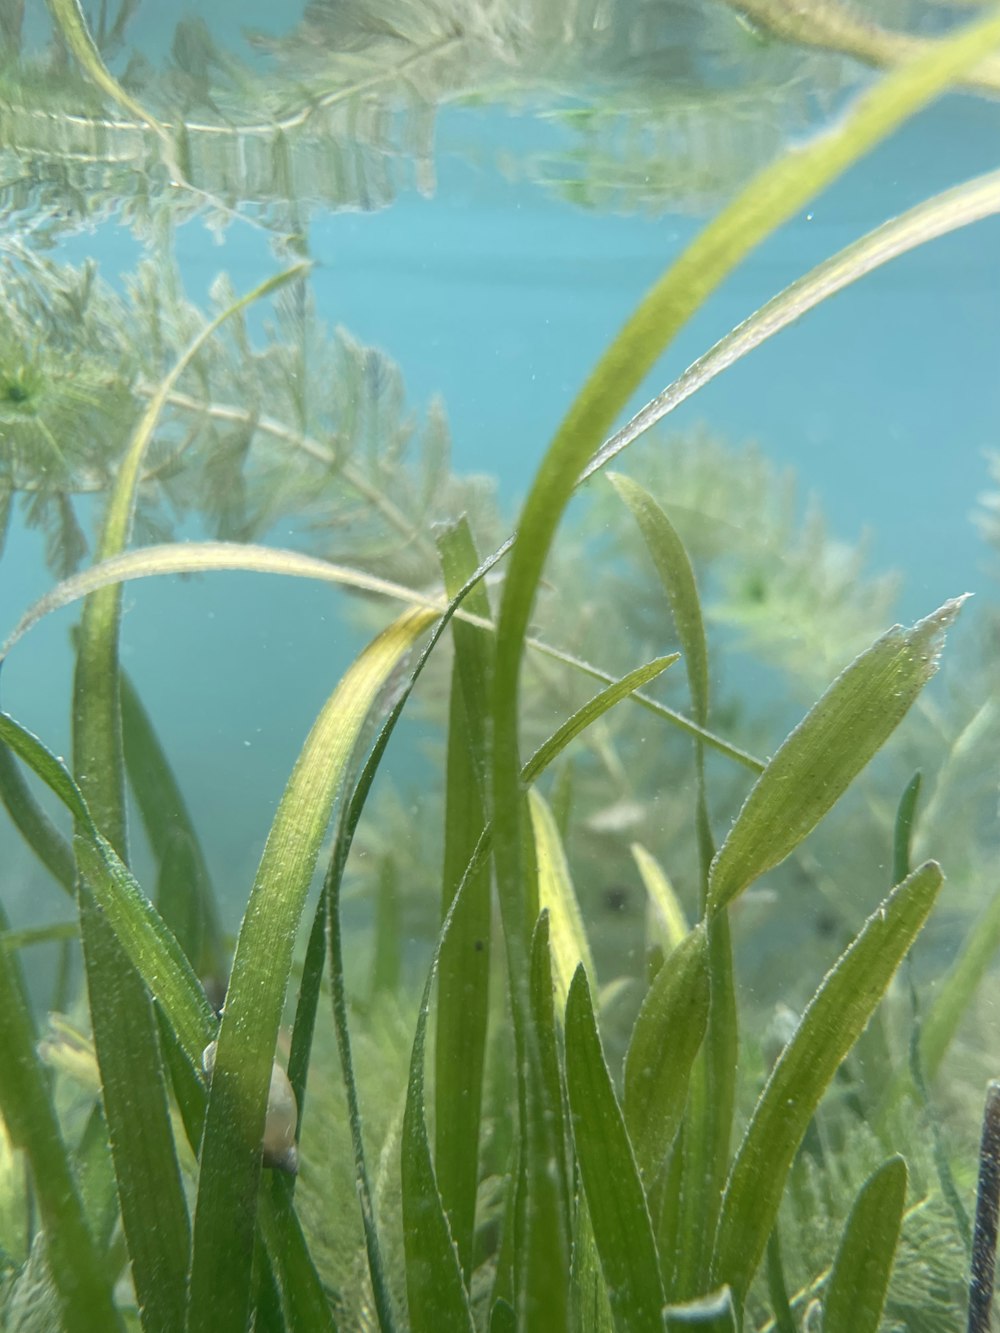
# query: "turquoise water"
{"type": "Point", "coordinates": [490, 289]}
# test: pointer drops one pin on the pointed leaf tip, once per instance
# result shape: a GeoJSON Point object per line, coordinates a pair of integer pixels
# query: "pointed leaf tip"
{"type": "Point", "coordinates": [822, 756]}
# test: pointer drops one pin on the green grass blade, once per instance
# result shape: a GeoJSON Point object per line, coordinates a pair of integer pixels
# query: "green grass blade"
{"type": "Point", "coordinates": [622, 1229]}
{"type": "Point", "coordinates": [946, 212]}
{"type": "Point", "coordinates": [435, 1288]}
{"type": "Point", "coordinates": [666, 1037]}
{"type": "Point", "coordinates": [222, 1250]}
{"type": "Point", "coordinates": [544, 1001]}
{"type": "Point", "coordinates": [591, 711]}
{"type": "Point", "coordinates": [185, 897]}
{"type": "Point", "coordinates": [203, 557]}
{"type": "Point", "coordinates": [557, 897]}
{"type": "Point", "coordinates": [856, 1291]}
{"type": "Point", "coordinates": [826, 751]}
{"type": "Point", "coordinates": [134, 1093]}
{"type": "Point", "coordinates": [473, 649]}
{"type": "Point", "coordinates": [902, 833]}
{"type": "Point", "coordinates": [33, 823]}
{"type": "Point", "coordinates": [80, 1279]}
{"type": "Point", "coordinates": [674, 568]}
{"type": "Point", "coordinates": [833, 1021]}
{"type": "Point", "coordinates": [464, 964]}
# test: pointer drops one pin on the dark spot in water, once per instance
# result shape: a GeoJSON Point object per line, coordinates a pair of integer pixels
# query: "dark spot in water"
{"type": "Point", "coordinates": [826, 925]}
{"type": "Point", "coordinates": [616, 897]}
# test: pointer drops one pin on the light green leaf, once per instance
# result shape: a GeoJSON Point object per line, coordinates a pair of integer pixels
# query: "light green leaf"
{"type": "Point", "coordinates": [832, 1023]}
{"type": "Point", "coordinates": [557, 896]}
{"type": "Point", "coordinates": [946, 212]}
{"type": "Point", "coordinates": [677, 576]}
{"type": "Point", "coordinates": [668, 923]}
{"type": "Point", "coordinates": [818, 761]}
{"type": "Point", "coordinates": [622, 1229]}
{"type": "Point", "coordinates": [856, 1290]}
{"type": "Point", "coordinates": [222, 1251]}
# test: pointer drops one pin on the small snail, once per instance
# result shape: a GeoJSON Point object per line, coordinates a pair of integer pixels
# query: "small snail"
{"type": "Point", "coordinates": [278, 1146]}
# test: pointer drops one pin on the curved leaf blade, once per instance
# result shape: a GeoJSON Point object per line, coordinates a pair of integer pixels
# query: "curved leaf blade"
{"type": "Point", "coordinates": [859, 1280]}
{"type": "Point", "coordinates": [944, 213]}
{"type": "Point", "coordinates": [673, 565]}
{"type": "Point", "coordinates": [222, 1249]}
{"type": "Point", "coordinates": [591, 711]}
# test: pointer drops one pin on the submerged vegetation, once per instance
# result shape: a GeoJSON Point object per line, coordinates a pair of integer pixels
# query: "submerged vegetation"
{"type": "Point", "coordinates": [609, 1102]}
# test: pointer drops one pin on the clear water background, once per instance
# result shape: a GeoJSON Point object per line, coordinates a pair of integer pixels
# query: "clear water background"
{"type": "Point", "coordinates": [500, 296]}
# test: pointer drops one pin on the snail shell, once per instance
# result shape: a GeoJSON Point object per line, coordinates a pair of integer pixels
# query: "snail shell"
{"type": "Point", "coordinates": [278, 1146]}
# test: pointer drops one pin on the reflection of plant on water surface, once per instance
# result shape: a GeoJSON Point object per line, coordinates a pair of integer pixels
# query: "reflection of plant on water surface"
{"type": "Point", "coordinates": [584, 1200]}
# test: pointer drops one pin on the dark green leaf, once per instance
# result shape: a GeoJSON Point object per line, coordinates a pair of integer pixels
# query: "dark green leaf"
{"type": "Point", "coordinates": [33, 823]}
{"type": "Point", "coordinates": [667, 1035]}
{"type": "Point", "coordinates": [622, 1229]}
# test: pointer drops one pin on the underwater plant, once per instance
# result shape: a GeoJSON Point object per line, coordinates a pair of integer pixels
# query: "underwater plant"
{"type": "Point", "coordinates": [642, 1154]}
